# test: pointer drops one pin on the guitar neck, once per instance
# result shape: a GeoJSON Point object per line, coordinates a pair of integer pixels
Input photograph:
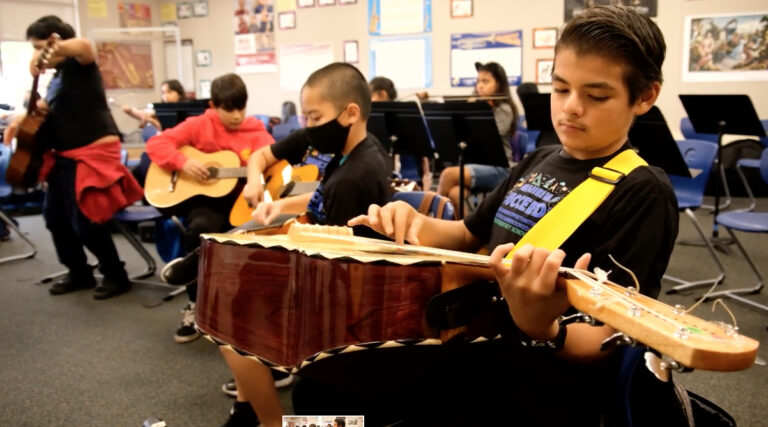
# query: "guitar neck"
{"type": "Point", "coordinates": [220, 173]}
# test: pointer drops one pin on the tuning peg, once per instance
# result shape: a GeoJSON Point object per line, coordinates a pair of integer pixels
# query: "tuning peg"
{"type": "Point", "coordinates": [617, 340]}
{"type": "Point", "coordinates": [661, 367]}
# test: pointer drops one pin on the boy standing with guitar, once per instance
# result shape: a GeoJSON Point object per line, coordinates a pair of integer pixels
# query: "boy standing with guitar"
{"type": "Point", "coordinates": [224, 126]}
{"type": "Point", "coordinates": [87, 183]}
{"type": "Point", "coordinates": [607, 71]}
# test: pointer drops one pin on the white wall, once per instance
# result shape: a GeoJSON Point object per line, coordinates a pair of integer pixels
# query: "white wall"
{"type": "Point", "coordinates": [338, 23]}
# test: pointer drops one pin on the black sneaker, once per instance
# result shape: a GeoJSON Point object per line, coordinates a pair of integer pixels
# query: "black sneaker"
{"type": "Point", "coordinates": [72, 283]}
{"type": "Point", "coordinates": [181, 271]}
{"type": "Point", "coordinates": [242, 415]}
{"type": "Point", "coordinates": [187, 331]}
{"type": "Point", "coordinates": [111, 288]}
{"type": "Point", "coordinates": [282, 379]}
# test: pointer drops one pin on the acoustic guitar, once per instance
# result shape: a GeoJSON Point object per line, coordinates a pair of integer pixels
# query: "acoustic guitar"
{"type": "Point", "coordinates": [24, 167]}
{"type": "Point", "coordinates": [293, 298]}
{"type": "Point", "coordinates": [164, 189]}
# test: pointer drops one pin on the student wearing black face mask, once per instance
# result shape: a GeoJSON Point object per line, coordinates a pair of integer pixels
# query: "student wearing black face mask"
{"type": "Point", "coordinates": [336, 101]}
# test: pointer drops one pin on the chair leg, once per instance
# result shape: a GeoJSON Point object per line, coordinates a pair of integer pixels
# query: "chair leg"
{"type": "Point", "coordinates": [10, 224]}
{"type": "Point", "coordinates": [736, 293]}
{"type": "Point", "coordinates": [684, 284]}
{"type": "Point", "coordinates": [752, 201]}
{"type": "Point", "coordinates": [727, 201]}
{"type": "Point", "coordinates": [151, 265]}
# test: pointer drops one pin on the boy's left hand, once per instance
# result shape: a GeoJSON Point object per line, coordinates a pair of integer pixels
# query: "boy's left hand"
{"type": "Point", "coordinates": [530, 286]}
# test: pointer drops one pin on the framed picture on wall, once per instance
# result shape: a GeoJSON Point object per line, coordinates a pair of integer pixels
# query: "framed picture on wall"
{"type": "Point", "coordinates": [544, 71]}
{"type": "Point", "coordinates": [184, 10]}
{"type": "Point", "coordinates": [200, 8]}
{"type": "Point", "coordinates": [286, 20]}
{"type": "Point", "coordinates": [461, 8]}
{"type": "Point", "coordinates": [347, 1]}
{"type": "Point", "coordinates": [305, 3]}
{"type": "Point", "coordinates": [351, 53]}
{"type": "Point", "coordinates": [544, 38]}
{"type": "Point", "coordinates": [326, 2]}
{"type": "Point", "coordinates": [203, 58]}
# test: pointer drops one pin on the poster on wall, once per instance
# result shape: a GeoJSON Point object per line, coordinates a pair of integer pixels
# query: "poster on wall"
{"type": "Point", "coordinates": [392, 17]}
{"type": "Point", "coordinates": [504, 47]}
{"type": "Point", "coordinates": [134, 15]}
{"type": "Point", "coordinates": [126, 64]}
{"type": "Point", "coordinates": [722, 48]}
{"type": "Point", "coordinates": [254, 22]}
{"type": "Point", "coordinates": [576, 7]}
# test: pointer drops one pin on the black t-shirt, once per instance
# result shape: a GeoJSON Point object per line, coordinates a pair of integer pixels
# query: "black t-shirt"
{"type": "Point", "coordinates": [79, 113]}
{"type": "Point", "coordinates": [350, 184]}
{"type": "Point", "coordinates": [637, 224]}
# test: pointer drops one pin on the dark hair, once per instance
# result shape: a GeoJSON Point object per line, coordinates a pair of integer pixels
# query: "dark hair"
{"type": "Point", "coordinates": [229, 92]}
{"type": "Point", "coordinates": [176, 86]}
{"type": "Point", "coordinates": [340, 421]}
{"type": "Point", "coordinates": [619, 34]}
{"type": "Point", "coordinates": [47, 25]}
{"type": "Point", "coordinates": [289, 110]}
{"type": "Point", "coordinates": [502, 88]}
{"type": "Point", "coordinates": [340, 84]}
{"type": "Point", "coordinates": [385, 84]}
{"type": "Point", "coordinates": [527, 87]}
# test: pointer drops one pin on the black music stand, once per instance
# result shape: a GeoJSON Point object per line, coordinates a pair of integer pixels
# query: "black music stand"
{"type": "Point", "coordinates": [721, 114]}
{"type": "Point", "coordinates": [655, 143]}
{"type": "Point", "coordinates": [538, 117]}
{"type": "Point", "coordinates": [172, 113]}
{"type": "Point", "coordinates": [465, 132]}
{"type": "Point", "coordinates": [400, 126]}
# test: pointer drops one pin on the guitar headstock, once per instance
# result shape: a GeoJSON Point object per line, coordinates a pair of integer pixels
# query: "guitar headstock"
{"type": "Point", "coordinates": [691, 341]}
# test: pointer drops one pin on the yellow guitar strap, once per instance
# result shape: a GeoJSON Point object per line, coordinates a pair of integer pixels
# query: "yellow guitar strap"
{"type": "Point", "coordinates": [559, 223]}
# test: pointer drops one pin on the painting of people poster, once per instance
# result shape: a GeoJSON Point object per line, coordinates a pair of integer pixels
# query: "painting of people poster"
{"type": "Point", "coordinates": [572, 8]}
{"type": "Point", "coordinates": [254, 36]}
{"type": "Point", "coordinates": [726, 48]}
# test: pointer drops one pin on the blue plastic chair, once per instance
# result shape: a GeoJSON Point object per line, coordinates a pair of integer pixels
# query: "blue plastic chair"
{"type": "Point", "coordinates": [699, 157]}
{"type": "Point", "coordinates": [741, 164]}
{"type": "Point", "coordinates": [264, 119]}
{"type": "Point", "coordinates": [428, 203]}
{"type": "Point", "coordinates": [5, 191]}
{"type": "Point", "coordinates": [281, 130]}
{"type": "Point", "coordinates": [686, 128]}
{"type": "Point", "coordinates": [749, 222]}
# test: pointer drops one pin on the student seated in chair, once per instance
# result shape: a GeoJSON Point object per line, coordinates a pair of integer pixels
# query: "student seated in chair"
{"type": "Point", "coordinates": [224, 126]}
{"type": "Point", "coordinates": [491, 81]}
{"type": "Point", "coordinates": [607, 71]}
{"type": "Point", "coordinates": [336, 102]}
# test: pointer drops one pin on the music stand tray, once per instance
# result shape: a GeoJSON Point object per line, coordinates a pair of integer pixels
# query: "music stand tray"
{"type": "Point", "coordinates": [653, 139]}
{"type": "Point", "coordinates": [538, 117]}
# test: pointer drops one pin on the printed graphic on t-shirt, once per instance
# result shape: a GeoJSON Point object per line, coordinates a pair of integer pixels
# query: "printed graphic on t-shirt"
{"type": "Point", "coordinates": [528, 201]}
{"type": "Point", "coordinates": [315, 208]}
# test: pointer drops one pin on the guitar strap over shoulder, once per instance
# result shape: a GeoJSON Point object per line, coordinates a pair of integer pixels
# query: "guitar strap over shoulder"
{"type": "Point", "coordinates": [563, 220]}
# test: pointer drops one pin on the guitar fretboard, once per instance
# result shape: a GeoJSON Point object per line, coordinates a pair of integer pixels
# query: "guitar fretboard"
{"type": "Point", "coordinates": [219, 173]}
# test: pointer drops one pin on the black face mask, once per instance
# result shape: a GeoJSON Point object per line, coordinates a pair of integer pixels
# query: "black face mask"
{"type": "Point", "coordinates": [329, 138]}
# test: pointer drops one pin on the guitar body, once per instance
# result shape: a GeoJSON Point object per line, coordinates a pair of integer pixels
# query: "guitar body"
{"type": "Point", "coordinates": [162, 192]}
{"type": "Point", "coordinates": [26, 161]}
{"type": "Point", "coordinates": [275, 178]}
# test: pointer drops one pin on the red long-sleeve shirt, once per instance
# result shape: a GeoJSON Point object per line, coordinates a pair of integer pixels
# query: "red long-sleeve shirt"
{"type": "Point", "coordinates": [208, 134]}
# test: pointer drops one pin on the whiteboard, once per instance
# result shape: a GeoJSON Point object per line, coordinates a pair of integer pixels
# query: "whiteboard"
{"type": "Point", "coordinates": [407, 61]}
{"type": "Point", "coordinates": [297, 61]}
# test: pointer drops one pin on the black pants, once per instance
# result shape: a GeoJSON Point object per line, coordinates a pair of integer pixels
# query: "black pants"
{"type": "Point", "coordinates": [71, 230]}
{"type": "Point", "coordinates": [205, 215]}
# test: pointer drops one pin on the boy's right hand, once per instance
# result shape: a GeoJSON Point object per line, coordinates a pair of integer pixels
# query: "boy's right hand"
{"type": "Point", "coordinates": [253, 192]}
{"type": "Point", "coordinates": [196, 169]}
{"type": "Point", "coordinates": [397, 220]}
